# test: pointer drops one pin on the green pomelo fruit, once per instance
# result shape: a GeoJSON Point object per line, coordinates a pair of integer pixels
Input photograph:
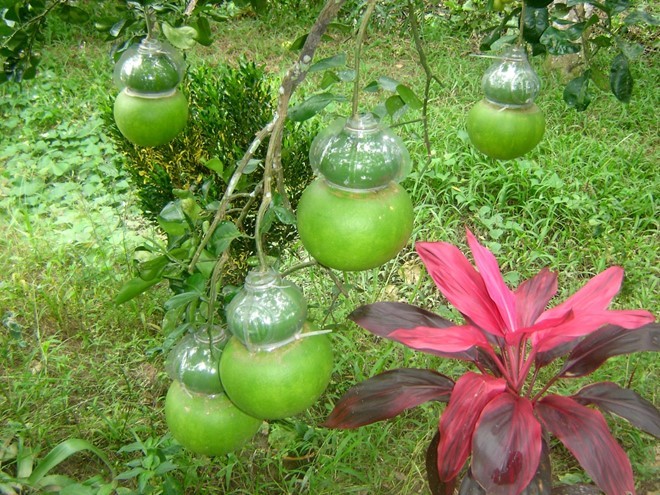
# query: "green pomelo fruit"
{"type": "Point", "coordinates": [503, 132]}
{"type": "Point", "coordinates": [279, 383]}
{"type": "Point", "coordinates": [354, 231]}
{"type": "Point", "coordinates": [207, 424]}
{"type": "Point", "coordinates": [150, 122]}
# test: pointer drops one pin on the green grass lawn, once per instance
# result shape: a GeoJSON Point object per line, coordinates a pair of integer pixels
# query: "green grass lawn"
{"type": "Point", "coordinates": [72, 364]}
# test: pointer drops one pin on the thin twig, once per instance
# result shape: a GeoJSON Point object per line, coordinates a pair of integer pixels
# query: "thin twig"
{"type": "Point", "coordinates": [430, 77]}
{"type": "Point", "coordinates": [358, 50]}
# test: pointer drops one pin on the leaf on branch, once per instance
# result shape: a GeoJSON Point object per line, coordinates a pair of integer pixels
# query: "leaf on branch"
{"type": "Point", "coordinates": [329, 63]}
{"type": "Point", "coordinates": [183, 37]}
{"type": "Point", "coordinates": [623, 402]}
{"type": "Point", "coordinates": [641, 17]}
{"type": "Point", "coordinates": [621, 80]}
{"type": "Point", "coordinates": [222, 237]}
{"type": "Point", "coordinates": [576, 92]}
{"type": "Point", "coordinates": [607, 342]}
{"type": "Point", "coordinates": [313, 105]}
{"type": "Point", "coordinates": [409, 97]}
{"type": "Point", "coordinates": [387, 395]}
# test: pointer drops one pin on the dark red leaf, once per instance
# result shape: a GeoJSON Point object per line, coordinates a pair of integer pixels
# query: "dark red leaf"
{"type": "Point", "coordinates": [383, 318]}
{"type": "Point", "coordinates": [609, 341]}
{"type": "Point", "coordinates": [470, 395]}
{"type": "Point", "coordinates": [585, 433]}
{"type": "Point", "coordinates": [533, 295]}
{"type": "Point", "coordinates": [623, 402]}
{"type": "Point", "coordinates": [388, 394]}
{"type": "Point", "coordinates": [506, 445]}
{"type": "Point", "coordinates": [436, 485]}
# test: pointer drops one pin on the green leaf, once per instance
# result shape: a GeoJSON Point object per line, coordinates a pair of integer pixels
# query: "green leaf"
{"type": "Point", "coordinates": [388, 84]}
{"type": "Point", "coordinates": [298, 43]}
{"type": "Point", "coordinates": [576, 92]}
{"type": "Point", "coordinates": [183, 37]}
{"type": "Point", "coordinates": [62, 452]}
{"type": "Point", "coordinates": [172, 219]}
{"type": "Point", "coordinates": [313, 105]}
{"type": "Point", "coordinates": [394, 104]}
{"type": "Point", "coordinates": [617, 6]}
{"type": "Point", "coordinates": [641, 17]}
{"type": "Point", "coordinates": [347, 75]}
{"type": "Point", "coordinates": [372, 87]}
{"type": "Point", "coordinates": [329, 78]}
{"type": "Point", "coordinates": [204, 35]}
{"type": "Point", "coordinates": [559, 42]}
{"type": "Point", "coordinates": [329, 63]}
{"type": "Point", "coordinates": [133, 288]}
{"type": "Point", "coordinates": [180, 300]}
{"type": "Point", "coordinates": [73, 15]}
{"type": "Point", "coordinates": [536, 21]}
{"type": "Point", "coordinates": [216, 165]}
{"type": "Point", "coordinates": [284, 215]}
{"type": "Point", "coordinates": [409, 97]}
{"type": "Point", "coordinates": [222, 237]}
{"type": "Point", "coordinates": [632, 51]}
{"type": "Point", "coordinates": [621, 80]}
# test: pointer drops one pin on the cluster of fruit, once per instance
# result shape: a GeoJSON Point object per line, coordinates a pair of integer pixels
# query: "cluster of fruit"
{"type": "Point", "coordinates": [149, 109]}
{"type": "Point", "coordinates": [507, 123]}
{"type": "Point", "coordinates": [355, 215]}
{"type": "Point", "coordinates": [271, 365]}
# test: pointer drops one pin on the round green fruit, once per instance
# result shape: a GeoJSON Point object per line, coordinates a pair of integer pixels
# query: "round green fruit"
{"type": "Point", "coordinates": [504, 132]}
{"type": "Point", "coordinates": [150, 122]}
{"type": "Point", "coordinates": [279, 383]}
{"type": "Point", "coordinates": [354, 231]}
{"type": "Point", "coordinates": [207, 424]}
{"type": "Point", "coordinates": [150, 73]}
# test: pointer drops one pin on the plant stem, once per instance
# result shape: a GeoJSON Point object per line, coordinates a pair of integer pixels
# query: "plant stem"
{"type": "Point", "coordinates": [521, 24]}
{"type": "Point", "coordinates": [358, 53]}
{"type": "Point", "coordinates": [148, 22]}
{"type": "Point", "coordinates": [294, 76]}
{"type": "Point", "coordinates": [190, 7]}
{"type": "Point", "coordinates": [430, 77]}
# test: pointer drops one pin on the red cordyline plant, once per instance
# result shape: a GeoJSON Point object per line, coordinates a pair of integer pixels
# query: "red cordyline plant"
{"type": "Point", "coordinates": [499, 415]}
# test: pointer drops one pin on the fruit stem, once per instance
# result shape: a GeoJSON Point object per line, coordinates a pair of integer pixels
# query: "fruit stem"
{"type": "Point", "coordinates": [521, 24]}
{"type": "Point", "coordinates": [362, 31]}
{"type": "Point", "coordinates": [148, 20]}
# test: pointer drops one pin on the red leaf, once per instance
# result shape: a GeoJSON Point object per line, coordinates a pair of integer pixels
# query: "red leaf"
{"type": "Point", "coordinates": [470, 395]}
{"type": "Point", "coordinates": [623, 402]}
{"type": "Point", "coordinates": [506, 446]}
{"type": "Point", "coordinates": [388, 394]}
{"type": "Point", "coordinates": [461, 284]}
{"type": "Point", "coordinates": [499, 293]}
{"type": "Point", "coordinates": [381, 318]}
{"type": "Point", "coordinates": [606, 342]}
{"type": "Point", "coordinates": [445, 342]}
{"type": "Point", "coordinates": [585, 433]}
{"type": "Point", "coordinates": [585, 322]}
{"type": "Point", "coordinates": [533, 295]}
{"type": "Point", "coordinates": [595, 295]}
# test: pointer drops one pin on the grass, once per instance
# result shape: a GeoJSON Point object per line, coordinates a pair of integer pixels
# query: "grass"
{"type": "Point", "coordinates": [74, 365]}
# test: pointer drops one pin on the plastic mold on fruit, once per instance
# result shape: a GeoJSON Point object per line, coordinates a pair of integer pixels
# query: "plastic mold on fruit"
{"type": "Point", "coordinates": [268, 312]}
{"type": "Point", "coordinates": [359, 153]}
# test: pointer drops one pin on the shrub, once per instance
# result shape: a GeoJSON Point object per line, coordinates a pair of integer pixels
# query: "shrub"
{"type": "Point", "coordinates": [228, 105]}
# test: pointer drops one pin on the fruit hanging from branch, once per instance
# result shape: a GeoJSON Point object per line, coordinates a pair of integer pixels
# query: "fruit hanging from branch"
{"type": "Point", "coordinates": [150, 110]}
{"type": "Point", "coordinates": [355, 216]}
{"type": "Point", "coordinates": [198, 413]}
{"type": "Point", "coordinates": [507, 123]}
